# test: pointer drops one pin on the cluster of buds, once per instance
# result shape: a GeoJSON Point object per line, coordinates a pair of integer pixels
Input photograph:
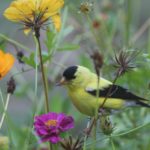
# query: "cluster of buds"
{"type": "Point", "coordinates": [106, 125]}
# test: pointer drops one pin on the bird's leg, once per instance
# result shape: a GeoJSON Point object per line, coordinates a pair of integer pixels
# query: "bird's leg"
{"type": "Point", "coordinates": [86, 130]}
{"type": "Point", "coordinates": [90, 126]}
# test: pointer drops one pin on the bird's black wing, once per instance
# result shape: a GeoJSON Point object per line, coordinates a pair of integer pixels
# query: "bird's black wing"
{"type": "Point", "coordinates": [116, 92]}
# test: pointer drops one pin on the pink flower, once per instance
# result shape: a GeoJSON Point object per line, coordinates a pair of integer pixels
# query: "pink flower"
{"type": "Point", "coordinates": [49, 126]}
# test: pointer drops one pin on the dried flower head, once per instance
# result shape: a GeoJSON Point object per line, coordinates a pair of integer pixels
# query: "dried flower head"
{"type": "Point", "coordinates": [11, 85]}
{"type": "Point", "coordinates": [49, 126]}
{"type": "Point", "coordinates": [123, 63]}
{"type": "Point", "coordinates": [72, 144]}
{"type": "Point", "coordinates": [98, 61]}
{"type": "Point", "coordinates": [106, 125]}
{"type": "Point", "coordinates": [85, 7]}
{"type": "Point", "coordinates": [34, 13]}
{"type": "Point", "coordinates": [6, 63]}
{"type": "Point", "coordinates": [96, 24]}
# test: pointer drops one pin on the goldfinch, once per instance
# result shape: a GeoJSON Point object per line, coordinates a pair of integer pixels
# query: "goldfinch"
{"type": "Point", "coordinates": [81, 84]}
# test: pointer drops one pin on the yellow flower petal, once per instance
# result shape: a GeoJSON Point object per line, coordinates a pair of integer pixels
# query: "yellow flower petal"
{"type": "Point", "coordinates": [34, 12]}
{"type": "Point", "coordinates": [6, 63]}
{"type": "Point", "coordinates": [51, 6]}
{"type": "Point", "coordinates": [20, 10]}
{"type": "Point", "coordinates": [57, 22]}
{"type": "Point", "coordinates": [27, 31]}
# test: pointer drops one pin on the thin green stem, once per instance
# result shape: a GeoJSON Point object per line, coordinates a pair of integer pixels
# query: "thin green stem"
{"type": "Point", "coordinates": [92, 30]}
{"type": "Point", "coordinates": [5, 109]}
{"type": "Point", "coordinates": [124, 133]}
{"type": "Point", "coordinates": [28, 137]}
{"type": "Point", "coordinates": [1, 95]}
{"type": "Point", "coordinates": [109, 91]}
{"type": "Point", "coordinates": [132, 130]}
{"type": "Point", "coordinates": [128, 22]}
{"type": "Point", "coordinates": [7, 124]}
{"type": "Point", "coordinates": [140, 32]}
{"type": "Point", "coordinates": [14, 42]}
{"type": "Point", "coordinates": [38, 44]}
{"type": "Point", "coordinates": [86, 135]}
{"type": "Point", "coordinates": [112, 143]}
{"type": "Point", "coordinates": [148, 42]}
{"type": "Point", "coordinates": [36, 71]}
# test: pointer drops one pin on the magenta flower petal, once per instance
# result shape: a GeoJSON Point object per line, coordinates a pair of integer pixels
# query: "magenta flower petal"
{"type": "Point", "coordinates": [54, 139]}
{"type": "Point", "coordinates": [66, 123]}
{"type": "Point", "coordinates": [49, 126]}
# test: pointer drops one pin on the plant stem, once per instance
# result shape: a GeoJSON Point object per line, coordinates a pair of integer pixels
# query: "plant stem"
{"type": "Point", "coordinates": [28, 137]}
{"type": "Point", "coordinates": [98, 42]}
{"type": "Point", "coordinates": [38, 44]}
{"type": "Point", "coordinates": [43, 74]}
{"type": "Point", "coordinates": [15, 42]}
{"type": "Point", "coordinates": [124, 133]}
{"type": "Point", "coordinates": [132, 130]}
{"type": "Point", "coordinates": [112, 143]}
{"type": "Point", "coordinates": [140, 32]}
{"type": "Point", "coordinates": [5, 109]}
{"type": "Point", "coordinates": [128, 22]}
{"type": "Point", "coordinates": [109, 91]}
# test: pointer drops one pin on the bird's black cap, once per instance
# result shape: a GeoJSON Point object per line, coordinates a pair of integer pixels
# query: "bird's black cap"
{"type": "Point", "coordinates": [69, 73]}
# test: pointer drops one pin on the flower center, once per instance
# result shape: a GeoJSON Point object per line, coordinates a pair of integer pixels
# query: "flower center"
{"type": "Point", "coordinates": [51, 123]}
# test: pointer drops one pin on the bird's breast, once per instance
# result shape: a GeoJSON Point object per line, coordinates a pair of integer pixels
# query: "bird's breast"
{"type": "Point", "coordinates": [82, 101]}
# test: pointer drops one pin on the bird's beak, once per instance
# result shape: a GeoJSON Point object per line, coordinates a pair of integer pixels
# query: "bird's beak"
{"type": "Point", "coordinates": [61, 82]}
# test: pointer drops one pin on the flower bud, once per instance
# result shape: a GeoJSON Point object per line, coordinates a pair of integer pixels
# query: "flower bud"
{"type": "Point", "coordinates": [11, 85]}
{"type": "Point", "coordinates": [106, 125]}
{"type": "Point", "coordinates": [4, 143]}
{"type": "Point", "coordinates": [20, 55]}
{"type": "Point", "coordinates": [98, 61]}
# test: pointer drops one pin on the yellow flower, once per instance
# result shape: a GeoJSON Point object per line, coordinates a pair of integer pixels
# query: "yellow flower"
{"type": "Point", "coordinates": [34, 13]}
{"type": "Point", "coordinates": [6, 62]}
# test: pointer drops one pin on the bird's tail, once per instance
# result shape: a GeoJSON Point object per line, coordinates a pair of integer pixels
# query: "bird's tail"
{"type": "Point", "coordinates": [140, 103]}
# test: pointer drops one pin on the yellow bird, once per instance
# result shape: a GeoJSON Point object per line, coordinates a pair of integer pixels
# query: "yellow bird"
{"type": "Point", "coordinates": [81, 84]}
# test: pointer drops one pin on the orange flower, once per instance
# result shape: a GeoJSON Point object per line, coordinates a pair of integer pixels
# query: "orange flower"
{"type": "Point", "coordinates": [6, 62]}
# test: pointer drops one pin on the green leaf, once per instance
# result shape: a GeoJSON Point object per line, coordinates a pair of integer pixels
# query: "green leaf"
{"type": "Point", "coordinates": [50, 39]}
{"type": "Point", "coordinates": [2, 44]}
{"type": "Point", "coordinates": [69, 47]}
{"type": "Point", "coordinates": [31, 60]}
{"type": "Point", "coordinates": [46, 57]}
